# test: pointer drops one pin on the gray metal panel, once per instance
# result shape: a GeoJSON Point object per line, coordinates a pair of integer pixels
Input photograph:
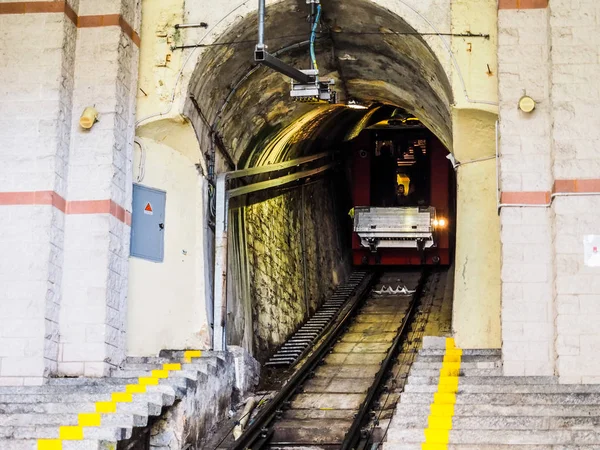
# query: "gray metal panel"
{"type": "Point", "coordinates": [147, 223]}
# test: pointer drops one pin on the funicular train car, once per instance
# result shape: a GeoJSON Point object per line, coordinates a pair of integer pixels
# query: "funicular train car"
{"type": "Point", "coordinates": [402, 195]}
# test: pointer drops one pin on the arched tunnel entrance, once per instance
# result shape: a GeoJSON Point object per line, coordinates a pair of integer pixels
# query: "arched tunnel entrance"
{"type": "Point", "coordinates": [289, 246]}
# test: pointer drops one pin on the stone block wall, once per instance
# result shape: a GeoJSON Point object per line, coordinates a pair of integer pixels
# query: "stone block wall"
{"type": "Point", "coordinates": [550, 162]}
{"type": "Point", "coordinates": [281, 232]}
{"type": "Point", "coordinates": [64, 191]}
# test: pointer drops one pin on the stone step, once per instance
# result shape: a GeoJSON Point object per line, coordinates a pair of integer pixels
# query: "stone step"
{"type": "Point", "coordinates": [505, 437]}
{"type": "Point", "coordinates": [464, 366]}
{"type": "Point", "coordinates": [496, 380]}
{"type": "Point", "coordinates": [32, 444]}
{"type": "Point", "coordinates": [408, 409]}
{"type": "Point", "coordinates": [100, 388]}
{"type": "Point", "coordinates": [510, 399]}
{"type": "Point", "coordinates": [178, 384]}
{"type": "Point", "coordinates": [510, 388]}
{"type": "Point", "coordinates": [101, 433]}
{"type": "Point", "coordinates": [113, 420]}
{"type": "Point", "coordinates": [397, 446]}
{"type": "Point", "coordinates": [463, 372]}
{"type": "Point", "coordinates": [503, 422]}
{"type": "Point", "coordinates": [215, 360]}
{"type": "Point", "coordinates": [142, 409]}
{"type": "Point", "coordinates": [194, 375]}
{"type": "Point", "coordinates": [178, 355]}
{"type": "Point", "coordinates": [464, 358]}
{"type": "Point", "coordinates": [158, 398]}
{"type": "Point", "coordinates": [469, 352]}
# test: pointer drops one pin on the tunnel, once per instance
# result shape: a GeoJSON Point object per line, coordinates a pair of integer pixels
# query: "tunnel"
{"type": "Point", "coordinates": [289, 247]}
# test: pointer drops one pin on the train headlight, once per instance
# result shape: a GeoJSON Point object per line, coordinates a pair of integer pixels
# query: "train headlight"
{"type": "Point", "coordinates": [441, 223]}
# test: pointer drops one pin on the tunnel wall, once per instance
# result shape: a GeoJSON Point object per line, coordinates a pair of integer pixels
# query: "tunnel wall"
{"type": "Point", "coordinates": [296, 258]}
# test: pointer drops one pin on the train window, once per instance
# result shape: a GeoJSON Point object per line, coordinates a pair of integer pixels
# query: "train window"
{"type": "Point", "coordinates": [400, 171]}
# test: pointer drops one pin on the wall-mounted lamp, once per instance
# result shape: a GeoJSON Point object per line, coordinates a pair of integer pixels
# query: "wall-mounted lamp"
{"type": "Point", "coordinates": [88, 118]}
{"type": "Point", "coordinates": [526, 104]}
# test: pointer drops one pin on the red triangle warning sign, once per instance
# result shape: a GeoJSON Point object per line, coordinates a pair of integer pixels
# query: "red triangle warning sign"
{"type": "Point", "coordinates": [148, 209]}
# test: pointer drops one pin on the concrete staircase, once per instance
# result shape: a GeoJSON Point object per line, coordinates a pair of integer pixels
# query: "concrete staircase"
{"type": "Point", "coordinates": [493, 412]}
{"type": "Point", "coordinates": [96, 413]}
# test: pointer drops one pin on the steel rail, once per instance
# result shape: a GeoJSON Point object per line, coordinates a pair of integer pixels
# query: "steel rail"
{"type": "Point", "coordinates": [355, 439]}
{"type": "Point", "coordinates": [259, 432]}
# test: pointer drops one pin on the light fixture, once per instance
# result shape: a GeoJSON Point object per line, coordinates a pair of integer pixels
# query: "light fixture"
{"type": "Point", "coordinates": [526, 104]}
{"type": "Point", "coordinates": [88, 118]}
{"type": "Point", "coordinates": [439, 223]}
{"type": "Point", "coordinates": [355, 105]}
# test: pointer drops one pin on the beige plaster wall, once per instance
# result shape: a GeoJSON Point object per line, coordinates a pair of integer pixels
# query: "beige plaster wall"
{"type": "Point", "coordinates": [476, 310]}
{"type": "Point", "coordinates": [166, 307]}
{"type": "Point", "coordinates": [477, 294]}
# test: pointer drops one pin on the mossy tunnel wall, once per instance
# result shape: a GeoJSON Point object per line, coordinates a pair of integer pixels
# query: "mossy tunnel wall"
{"type": "Point", "coordinates": [289, 247]}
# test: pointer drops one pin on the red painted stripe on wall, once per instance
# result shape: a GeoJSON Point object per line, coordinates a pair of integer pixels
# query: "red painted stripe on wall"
{"type": "Point", "coordinates": [525, 198]}
{"type": "Point", "coordinates": [73, 207]}
{"type": "Point", "coordinates": [522, 4]}
{"type": "Point", "coordinates": [577, 186]}
{"type": "Point", "coordinates": [107, 20]}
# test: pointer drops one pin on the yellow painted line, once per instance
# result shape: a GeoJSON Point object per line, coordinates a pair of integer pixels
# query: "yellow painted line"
{"type": "Point", "coordinates": [172, 367]}
{"type": "Point", "coordinates": [106, 407]}
{"type": "Point", "coordinates": [160, 374]}
{"type": "Point", "coordinates": [89, 419]}
{"type": "Point", "coordinates": [122, 397]}
{"type": "Point", "coordinates": [148, 381]}
{"type": "Point", "coordinates": [136, 388]}
{"type": "Point", "coordinates": [72, 433]}
{"type": "Point", "coordinates": [49, 444]}
{"type": "Point", "coordinates": [189, 354]}
{"type": "Point", "coordinates": [439, 422]}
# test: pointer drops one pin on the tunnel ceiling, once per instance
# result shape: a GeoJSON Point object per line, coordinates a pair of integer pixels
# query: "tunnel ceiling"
{"type": "Point", "coordinates": [368, 50]}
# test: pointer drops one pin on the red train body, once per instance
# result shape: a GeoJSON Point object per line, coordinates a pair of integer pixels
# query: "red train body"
{"type": "Point", "coordinates": [435, 189]}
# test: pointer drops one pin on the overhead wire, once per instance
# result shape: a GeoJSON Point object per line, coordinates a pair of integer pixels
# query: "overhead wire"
{"type": "Point", "coordinates": [313, 36]}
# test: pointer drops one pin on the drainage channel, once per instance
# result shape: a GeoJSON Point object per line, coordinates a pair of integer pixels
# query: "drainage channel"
{"type": "Point", "coordinates": [332, 398]}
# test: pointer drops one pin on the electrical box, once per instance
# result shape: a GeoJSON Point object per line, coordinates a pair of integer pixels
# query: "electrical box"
{"type": "Point", "coordinates": [148, 223]}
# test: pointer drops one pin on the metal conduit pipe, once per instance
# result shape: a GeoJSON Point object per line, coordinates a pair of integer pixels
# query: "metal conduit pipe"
{"type": "Point", "coordinates": [261, 25]}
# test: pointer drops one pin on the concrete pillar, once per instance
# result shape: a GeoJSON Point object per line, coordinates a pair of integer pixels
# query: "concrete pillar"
{"type": "Point", "coordinates": [476, 306]}
{"type": "Point", "coordinates": [526, 180]}
{"type": "Point", "coordinates": [93, 313]}
{"type": "Point", "coordinates": [37, 43]}
{"type": "Point", "coordinates": [65, 192]}
{"type": "Point", "coordinates": [575, 96]}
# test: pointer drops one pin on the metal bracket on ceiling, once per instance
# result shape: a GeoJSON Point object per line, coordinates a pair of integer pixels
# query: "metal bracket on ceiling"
{"type": "Point", "coordinates": [305, 85]}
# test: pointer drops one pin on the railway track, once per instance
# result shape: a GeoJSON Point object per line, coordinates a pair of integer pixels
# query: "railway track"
{"type": "Point", "coordinates": [334, 400]}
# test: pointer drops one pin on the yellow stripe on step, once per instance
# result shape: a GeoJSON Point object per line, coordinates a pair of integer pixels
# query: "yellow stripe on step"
{"type": "Point", "coordinates": [136, 388]}
{"type": "Point", "coordinates": [160, 374]}
{"type": "Point", "coordinates": [49, 444]}
{"type": "Point", "coordinates": [106, 407]}
{"type": "Point", "coordinates": [148, 381]}
{"type": "Point", "coordinates": [122, 397]}
{"type": "Point", "coordinates": [70, 433]}
{"type": "Point", "coordinates": [89, 419]}
{"type": "Point", "coordinates": [439, 422]}
{"type": "Point", "coordinates": [171, 367]}
{"type": "Point", "coordinates": [189, 354]}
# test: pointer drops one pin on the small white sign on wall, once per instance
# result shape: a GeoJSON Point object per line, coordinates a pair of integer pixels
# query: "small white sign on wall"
{"type": "Point", "coordinates": [591, 250]}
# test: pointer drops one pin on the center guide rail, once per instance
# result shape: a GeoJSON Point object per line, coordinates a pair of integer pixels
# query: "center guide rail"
{"type": "Point", "coordinates": [259, 433]}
